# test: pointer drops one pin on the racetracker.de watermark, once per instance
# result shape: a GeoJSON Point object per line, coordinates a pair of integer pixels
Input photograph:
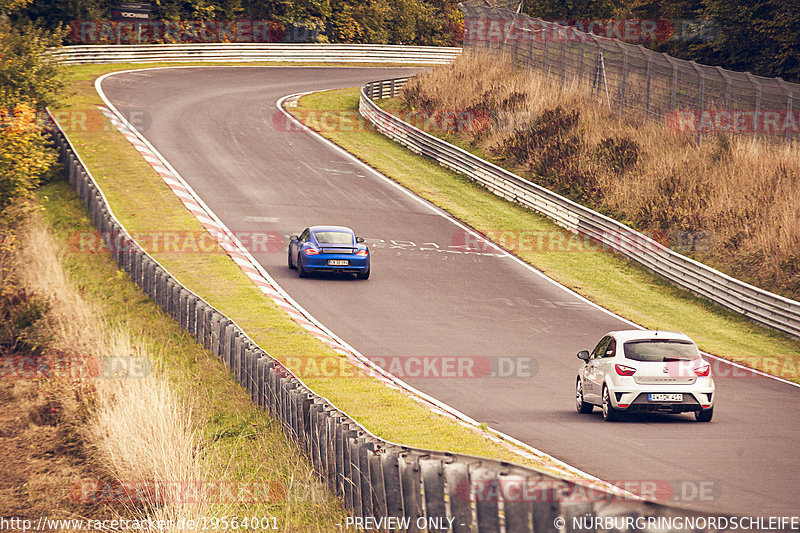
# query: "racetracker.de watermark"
{"type": "Point", "coordinates": [419, 367]}
{"type": "Point", "coordinates": [71, 120]}
{"type": "Point", "coordinates": [74, 367]}
{"type": "Point", "coordinates": [187, 32]}
{"type": "Point", "coordinates": [520, 490]}
{"type": "Point", "coordinates": [782, 366]}
{"type": "Point", "coordinates": [92, 491]}
{"type": "Point", "coordinates": [768, 122]}
{"type": "Point", "coordinates": [542, 241]}
{"type": "Point", "coordinates": [488, 29]}
{"type": "Point", "coordinates": [178, 241]}
{"type": "Point", "coordinates": [441, 121]}
{"type": "Point", "coordinates": [549, 241]}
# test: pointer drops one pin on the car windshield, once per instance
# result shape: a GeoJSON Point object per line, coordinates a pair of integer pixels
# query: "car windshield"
{"type": "Point", "coordinates": [333, 237]}
{"type": "Point", "coordinates": [661, 351]}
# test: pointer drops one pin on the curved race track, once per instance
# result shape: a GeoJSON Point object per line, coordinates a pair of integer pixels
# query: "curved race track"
{"type": "Point", "coordinates": [217, 127]}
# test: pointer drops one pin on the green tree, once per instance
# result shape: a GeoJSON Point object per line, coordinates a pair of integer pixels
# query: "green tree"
{"type": "Point", "coordinates": [29, 73]}
{"type": "Point", "coordinates": [53, 13]}
{"type": "Point", "coordinates": [762, 36]}
{"type": "Point", "coordinates": [570, 9]}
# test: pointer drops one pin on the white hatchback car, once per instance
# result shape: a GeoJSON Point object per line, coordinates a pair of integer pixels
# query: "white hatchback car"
{"type": "Point", "coordinates": [645, 371]}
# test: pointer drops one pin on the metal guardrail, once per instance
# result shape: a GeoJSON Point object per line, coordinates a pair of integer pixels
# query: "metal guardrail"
{"type": "Point", "coordinates": [417, 488]}
{"type": "Point", "coordinates": [757, 304]}
{"type": "Point", "coordinates": [249, 52]}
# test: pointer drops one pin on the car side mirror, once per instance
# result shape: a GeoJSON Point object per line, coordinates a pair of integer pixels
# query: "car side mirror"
{"type": "Point", "coordinates": [359, 239]}
{"type": "Point", "coordinates": [583, 354]}
{"type": "Point", "coordinates": [294, 238]}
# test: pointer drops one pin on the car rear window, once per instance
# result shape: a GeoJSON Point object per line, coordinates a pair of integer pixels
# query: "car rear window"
{"type": "Point", "coordinates": [661, 350]}
{"type": "Point", "coordinates": [333, 237]}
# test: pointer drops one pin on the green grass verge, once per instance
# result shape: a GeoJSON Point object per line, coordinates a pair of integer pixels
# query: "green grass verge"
{"type": "Point", "coordinates": [609, 279]}
{"type": "Point", "coordinates": [143, 203]}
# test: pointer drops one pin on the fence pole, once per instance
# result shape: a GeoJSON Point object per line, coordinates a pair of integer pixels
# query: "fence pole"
{"type": "Point", "coordinates": [700, 97]}
{"type": "Point", "coordinates": [782, 83]}
{"type": "Point", "coordinates": [624, 82]}
{"type": "Point", "coordinates": [728, 87]}
{"type": "Point", "coordinates": [674, 92]}
{"type": "Point", "coordinates": [757, 107]}
{"type": "Point", "coordinates": [647, 89]}
{"type": "Point", "coordinates": [545, 61]}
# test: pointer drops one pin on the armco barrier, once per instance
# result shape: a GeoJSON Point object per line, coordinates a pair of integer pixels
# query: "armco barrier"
{"type": "Point", "coordinates": [248, 52]}
{"type": "Point", "coordinates": [757, 304]}
{"type": "Point", "coordinates": [375, 478]}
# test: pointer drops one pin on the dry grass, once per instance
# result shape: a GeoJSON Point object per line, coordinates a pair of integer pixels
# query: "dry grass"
{"type": "Point", "coordinates": [144, 434]}
{"type": "Point", "coordinates": [71, 324]}
{"type": "Point", "coordinates": [732, 202]}
{"type": "Point", "coordinates": [136, 427]}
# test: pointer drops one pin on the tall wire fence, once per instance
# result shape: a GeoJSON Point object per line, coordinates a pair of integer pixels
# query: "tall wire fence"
{"type": "Point", "coordinates": [636, 81]}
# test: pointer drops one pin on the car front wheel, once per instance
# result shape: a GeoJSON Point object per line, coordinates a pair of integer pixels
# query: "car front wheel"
{"type": "Point", "coordinates": [289, 255]}
{"type": "Point", "coordinates": [580, 405]}
{"type": "Point", "coordinates": [609, 413]}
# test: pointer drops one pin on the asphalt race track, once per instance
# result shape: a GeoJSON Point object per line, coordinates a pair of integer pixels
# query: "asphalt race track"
{"type": "Point", "coordinates": [428, 298]}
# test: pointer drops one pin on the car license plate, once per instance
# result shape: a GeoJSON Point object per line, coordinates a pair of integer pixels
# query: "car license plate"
{"type": "Point", "coordinates": [338, 262]}
{"type": "Point", "coordinates": [666, 397]}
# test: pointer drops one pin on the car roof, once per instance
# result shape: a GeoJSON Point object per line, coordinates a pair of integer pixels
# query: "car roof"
{"type": "Point", "coordinates": [343, 229]}
{"type": "Point", "coordinates": [648, 334]}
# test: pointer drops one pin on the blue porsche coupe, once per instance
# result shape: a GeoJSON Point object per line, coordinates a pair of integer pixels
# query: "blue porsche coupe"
{"type": "Point", "coordinates": [333, 249]}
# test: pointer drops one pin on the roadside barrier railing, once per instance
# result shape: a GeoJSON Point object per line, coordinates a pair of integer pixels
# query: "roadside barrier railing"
{"type": "Point", "coordinates": [773, 310]}
{"type": "Point", "coordinates": [250, 52]}
{"type": "Point", "coordinates": [420, 490]}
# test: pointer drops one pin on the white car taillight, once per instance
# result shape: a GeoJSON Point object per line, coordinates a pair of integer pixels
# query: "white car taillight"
{"type": "Point", "coordinates": [623, 370]}
{"type": "Point", "coordinates": [702, 371]}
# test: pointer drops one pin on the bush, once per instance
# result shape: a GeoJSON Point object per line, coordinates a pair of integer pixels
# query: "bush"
{"type": "Point", "coordinates": [29, 81]}
{"type": "Point", "coordinates": [25, 154]}
{"type": "Point", "coordinates": [618, 153]}
{"type": "Point", "coordinates": [548, 135]}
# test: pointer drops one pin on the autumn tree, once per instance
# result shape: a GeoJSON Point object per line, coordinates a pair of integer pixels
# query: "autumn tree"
{"type": "Point", "coordinates": [30, 80]}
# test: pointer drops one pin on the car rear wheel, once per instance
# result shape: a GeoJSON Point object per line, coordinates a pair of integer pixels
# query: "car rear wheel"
{"type": "Point", "coordinates": [704, 416]}
{"type": "Point", "coordinates": [580, 405]}
{"type": "Point", "coordinates": [609, 413]}
{"type": "Point", "coordinates": [363, 275]}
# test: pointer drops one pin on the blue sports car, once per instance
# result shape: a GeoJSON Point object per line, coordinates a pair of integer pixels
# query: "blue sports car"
{"type": "Point", "coordinates": [328, 249]}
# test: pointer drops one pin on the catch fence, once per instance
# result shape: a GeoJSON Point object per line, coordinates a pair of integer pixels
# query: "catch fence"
{"type": "Point", "coordinates": [638, 82]}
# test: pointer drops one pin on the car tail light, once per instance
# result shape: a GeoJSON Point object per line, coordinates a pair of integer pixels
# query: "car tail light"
{"type": "Point", "coordinates": [362, 253]}
{"type": "Point", "coordinates": [623, 370]}
{"type": "Point", "coordinates": [311, 251]}
{"type": "Point", "coordinates": [702, 371]}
